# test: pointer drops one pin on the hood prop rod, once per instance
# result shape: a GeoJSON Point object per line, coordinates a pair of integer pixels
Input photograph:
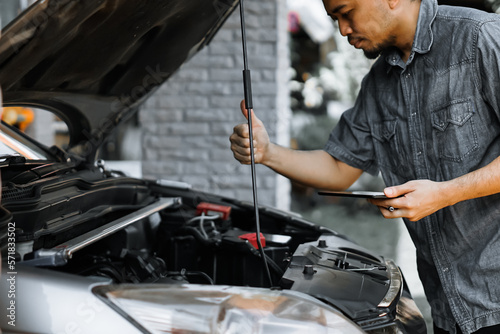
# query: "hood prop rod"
{"type": "Point", "coordinates": [247, 86]}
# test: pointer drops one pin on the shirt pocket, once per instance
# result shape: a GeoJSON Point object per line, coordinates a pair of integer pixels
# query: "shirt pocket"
{"type": "Point", "coordinates": [386, 143]}
{"type": "Point", "coordinates": [454, 133]}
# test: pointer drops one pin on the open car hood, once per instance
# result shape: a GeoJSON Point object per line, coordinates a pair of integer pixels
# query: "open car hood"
{"type": "Point", "coordinates": [93, 62]}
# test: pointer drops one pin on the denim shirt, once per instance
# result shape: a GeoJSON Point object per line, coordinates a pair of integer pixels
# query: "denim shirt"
{"type": "Point", "coordinates": [437, 117]}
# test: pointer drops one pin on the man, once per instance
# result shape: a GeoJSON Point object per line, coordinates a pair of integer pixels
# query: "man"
{"type": "Point", "coordinates": [428, 118]}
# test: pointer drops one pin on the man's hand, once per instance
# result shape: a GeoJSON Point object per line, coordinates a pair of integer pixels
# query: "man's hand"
{"type": "Point", "coordinates": [413, 200]}
{"type": "Point", "coordinates": [240, 140]}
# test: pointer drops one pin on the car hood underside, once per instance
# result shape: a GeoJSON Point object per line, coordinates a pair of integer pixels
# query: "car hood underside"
{"type": "Point", "coordinates": [94, 62]}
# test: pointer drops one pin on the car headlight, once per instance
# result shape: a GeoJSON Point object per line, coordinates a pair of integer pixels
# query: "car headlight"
{"type": "Point", "coordinates": [223, 309]}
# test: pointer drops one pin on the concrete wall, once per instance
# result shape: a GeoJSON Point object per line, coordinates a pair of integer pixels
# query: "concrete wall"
{"type": "Point", "coordinates": [188, 122]}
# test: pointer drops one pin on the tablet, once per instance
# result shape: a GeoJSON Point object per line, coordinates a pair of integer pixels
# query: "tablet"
{"type": "Point", "coordinates": [359, 194]}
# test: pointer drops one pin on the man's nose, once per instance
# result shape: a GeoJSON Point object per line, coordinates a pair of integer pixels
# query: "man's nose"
{"type": "Point", "coordinates": [344, 27]}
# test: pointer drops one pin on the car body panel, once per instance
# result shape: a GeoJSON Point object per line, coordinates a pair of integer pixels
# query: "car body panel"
{"type": "Point", "coordinates": [44, 301]}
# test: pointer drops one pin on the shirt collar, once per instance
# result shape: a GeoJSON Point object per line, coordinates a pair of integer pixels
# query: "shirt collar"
{"type": "Point", "coordinates": [423, 35]}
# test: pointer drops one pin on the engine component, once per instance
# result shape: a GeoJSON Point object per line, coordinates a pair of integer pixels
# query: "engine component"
{"type": "Point", "coordinates": [364, 284]}
{"type": "Point", "coordinates": [211, 209]}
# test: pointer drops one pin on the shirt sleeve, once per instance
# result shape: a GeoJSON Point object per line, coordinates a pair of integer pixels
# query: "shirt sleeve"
{"type": "Point", "coordinates": [488, 46]}
{"type": "Point", "coordinates": [351, 140]}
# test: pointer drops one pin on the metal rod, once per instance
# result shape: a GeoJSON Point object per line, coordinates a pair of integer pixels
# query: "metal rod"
{"type": "Point", "coordinates": [59, 255]}
{"type": "Point", "coordinates": [247, 85]}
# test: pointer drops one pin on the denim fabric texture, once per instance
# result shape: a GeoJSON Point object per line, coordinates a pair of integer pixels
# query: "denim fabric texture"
{"type": "Point", "coordinates": [437, 117]}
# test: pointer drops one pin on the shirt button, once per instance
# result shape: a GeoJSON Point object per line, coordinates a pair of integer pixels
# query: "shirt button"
{"type": "Point", "coordinates": [408, 75]}
{"type": "Point", "coordinates": [445, 269]}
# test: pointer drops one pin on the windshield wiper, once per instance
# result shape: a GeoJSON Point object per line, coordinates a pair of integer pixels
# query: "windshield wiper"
{"type": "Point", "coordinates": [42, 171]}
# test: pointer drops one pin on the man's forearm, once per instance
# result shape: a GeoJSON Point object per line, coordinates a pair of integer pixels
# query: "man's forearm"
{"type": "Point", "coordinates": [482, 182]}
{"type": "Point", "coordinates": [316, 169]}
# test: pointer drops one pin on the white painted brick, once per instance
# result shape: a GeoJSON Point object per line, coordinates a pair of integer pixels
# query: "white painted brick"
{"type": "Point", "coordinates": [183, 155]}
{"type": "Point", "coordinates": [225, 101]}
{"type": "Point", "coordinates": [220, 88]}
{"type": "Point", "coordinates": [224, 128]}
{"type": "Point", "coordinates": [183, 101]}
{"type": "Point", "coordinates": [188, 121]}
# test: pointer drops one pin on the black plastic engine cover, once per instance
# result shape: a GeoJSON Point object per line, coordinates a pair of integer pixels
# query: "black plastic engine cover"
{"type": "Point", "coordinates": [340, 273]}
{"type": "Point", "coordinates": [58, 208]}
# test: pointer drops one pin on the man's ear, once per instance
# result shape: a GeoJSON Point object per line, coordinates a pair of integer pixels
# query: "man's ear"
{"type": "Point", "coordinates": [394, 3]}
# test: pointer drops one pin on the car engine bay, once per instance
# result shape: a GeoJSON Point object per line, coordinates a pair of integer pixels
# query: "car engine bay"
{"type": "Point", "coordinates": [100, 223]}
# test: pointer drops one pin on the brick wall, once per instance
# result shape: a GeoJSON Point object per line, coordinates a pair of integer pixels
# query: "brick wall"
{"type": "Point", "coordinates": [188, 122]}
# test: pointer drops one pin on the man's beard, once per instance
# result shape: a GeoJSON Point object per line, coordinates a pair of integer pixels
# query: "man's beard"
{"type": "Point", "coordinates": [372, 54]}
{"type": "Point", "coordinates": [379, 48]}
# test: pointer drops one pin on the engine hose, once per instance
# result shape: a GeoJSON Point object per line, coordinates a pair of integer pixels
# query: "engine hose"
{"type": "Point", "coordinates": [197, 235]}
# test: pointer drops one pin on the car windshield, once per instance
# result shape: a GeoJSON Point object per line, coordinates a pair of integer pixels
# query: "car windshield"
{"type": "Point", "coordinates": [13, 144]}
